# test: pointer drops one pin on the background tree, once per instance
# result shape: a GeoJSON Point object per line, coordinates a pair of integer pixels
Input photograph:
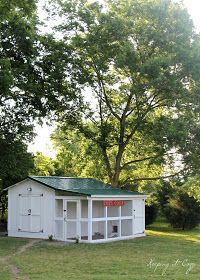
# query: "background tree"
{"type": "Point", "coordinates": [136, 63]}
{"type": "Point", "coordinates": [15, 164]}
{"type": "Point", "coordinates": [26, 92]}
{"type": "Point", "coordinates": [192, 186]}
{"type": "Point", "coordinates": [182, 211]}
{"type": "Point", "coordinates": [17, 53]}
{"type": "Point", "coordinates": [43, 166]}
{"type": "Point", "coordinates": [78, 156]}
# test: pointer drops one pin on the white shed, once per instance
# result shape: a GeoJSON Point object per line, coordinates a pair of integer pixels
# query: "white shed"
{"type": "Point", "coordinates": [74, 209]}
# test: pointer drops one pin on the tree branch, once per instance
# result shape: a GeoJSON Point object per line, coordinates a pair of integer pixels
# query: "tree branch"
{"type": "Point", "coordinates": [139, 160]}
{"type": "Point", "coordinates": [155, 178]}
{"type": "Point", "coordinates": [102, 87]}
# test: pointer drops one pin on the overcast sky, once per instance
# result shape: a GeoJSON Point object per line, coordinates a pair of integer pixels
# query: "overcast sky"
{"type": "Point", "coordinates": [42, 142]}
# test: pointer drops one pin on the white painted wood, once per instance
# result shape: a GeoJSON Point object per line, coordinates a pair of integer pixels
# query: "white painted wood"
{"type": "Point", "coordinates": [122, 197]}
{"type": "Point", "coordinates": [46, 209]}
{"type": "Point", "coordinates": [120, 224]}
{"type": "Point", "coordinates": [45, 215]}
{"type": "Point", "coordinates": [24, 215]}
{"type": "Point", "coordinates": [106, 226]}
{"type": "Point", "coordinates": [79, 220]}
{"type": "Point", "coordinates": [90, 220]}
{"type": "Point", "coordinates": [139, 213]}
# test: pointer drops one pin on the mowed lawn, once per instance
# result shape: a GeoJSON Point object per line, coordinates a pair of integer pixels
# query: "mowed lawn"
{"type": "Point", "coordinates": [163, 254]}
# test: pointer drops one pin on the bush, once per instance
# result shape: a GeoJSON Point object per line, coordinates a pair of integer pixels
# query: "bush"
{"type": "Point", "coordinates": [150, 213]}
{"type": "Point", "coordinates": [3, 225]}
{"type": "Point", "coordinates": [182, 211]}
{"type": "Point", "coordinates": [163, 195]}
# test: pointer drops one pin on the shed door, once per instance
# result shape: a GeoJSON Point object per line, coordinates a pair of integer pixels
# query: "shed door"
{"type": "Point", "coordinates": [36, 225]}
{"type": "Point", "coordinates": [139, 220]}
{"type": "Point", "coordinates": [24, 213]}
{"type": "Point", "coordinates": [30, 213]}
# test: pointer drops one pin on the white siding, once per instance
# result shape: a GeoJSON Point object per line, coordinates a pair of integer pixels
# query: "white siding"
{"type": "Point", "coordinates": [40, 200]}
{"type": "Point", "coordinates": [88, 218]}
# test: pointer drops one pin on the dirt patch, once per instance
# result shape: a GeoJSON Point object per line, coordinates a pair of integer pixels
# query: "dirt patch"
{"type": "Point", "coordinates": [26, 247]}
{"type": "Point", "coordinates": [4, 259]}
{"type": "Point", "coordinates": [14, 269]}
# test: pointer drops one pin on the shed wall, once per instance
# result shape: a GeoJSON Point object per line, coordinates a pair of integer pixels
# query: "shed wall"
{"type": "Point", "coordinates": [47, 205]}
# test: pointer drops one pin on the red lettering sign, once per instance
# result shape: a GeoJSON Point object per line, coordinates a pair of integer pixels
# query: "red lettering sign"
{"type": "Point", "coordinates": [113, 203]}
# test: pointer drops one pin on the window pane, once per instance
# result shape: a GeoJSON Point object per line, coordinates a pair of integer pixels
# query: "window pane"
{"type": "Point", "coordinates": [126, 227]}
{"type": "Point", "coordinates": [59, 208]}
{"type": "Point", "coordinates": [71, 210]}
{"type": "Point", "coordinates": [127, 208]}
{"type": "Point", "coordinates": [84, 209]}
{"type": "Point", "coordinates": [98, 230]}
{"type": "Point", "coordinates": [113, 229]}
{"type": "Point", "coordinates": [113, 211]}
{"type": "Point", "coordinates": [84, 230]}
{"type": "Point", "coordinates": [98, 210]}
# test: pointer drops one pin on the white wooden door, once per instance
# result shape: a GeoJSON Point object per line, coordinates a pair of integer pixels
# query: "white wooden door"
{"type": "Point", "coordinates": [30, 213]}
{"type": "Point", "coordinates": [24, 213]}
{"type": "Point", "coordinates": [36, 211]}
{"type": "Point", "coordinates": [138, 211]}
{"type": "Point", "coordinates": [71, 219]}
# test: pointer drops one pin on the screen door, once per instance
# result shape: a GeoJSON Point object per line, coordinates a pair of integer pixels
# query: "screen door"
{"type": "Point", "coordinates": [71, 219]}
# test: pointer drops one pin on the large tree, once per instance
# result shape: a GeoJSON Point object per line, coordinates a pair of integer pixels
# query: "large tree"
{"type": "Point", "coordinates": [18, 39]}
{"type": "Point", "coordinates": [26, 91]}
{"type": "Point", "coordinates": [78, 156]}
{"type": "Point", "coordinates": [136, 65]}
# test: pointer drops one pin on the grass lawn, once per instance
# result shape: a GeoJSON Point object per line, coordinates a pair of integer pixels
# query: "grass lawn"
{"type": "Point", "coordinates": [163, 254]}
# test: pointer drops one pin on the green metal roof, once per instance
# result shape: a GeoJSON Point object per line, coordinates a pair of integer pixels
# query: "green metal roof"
{"type": "Point", "coordinates": [84, 186]}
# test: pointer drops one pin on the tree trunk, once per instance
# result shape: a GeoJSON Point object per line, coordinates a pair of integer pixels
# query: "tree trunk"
{"type": "Point", "coordinates": [115, 178]}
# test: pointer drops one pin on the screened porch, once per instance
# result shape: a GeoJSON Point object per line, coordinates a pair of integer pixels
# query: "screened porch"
{"type": "Point", "coordinates": [97, 220]}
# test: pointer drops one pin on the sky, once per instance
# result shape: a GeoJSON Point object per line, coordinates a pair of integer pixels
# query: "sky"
{"type": "Point", "coordinates": [42, 142]}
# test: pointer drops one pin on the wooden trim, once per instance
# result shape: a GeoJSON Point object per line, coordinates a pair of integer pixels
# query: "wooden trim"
{"type": "Point", "coordinates": [107, 197]}
{"type": "Point", "coordinates": [90, 220]}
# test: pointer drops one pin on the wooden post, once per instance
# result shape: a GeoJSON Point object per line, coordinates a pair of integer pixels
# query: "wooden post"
{"type": "Point", "coordinates": [120, 221]}
{"type": "Point", "coordinates": [106, 222]}
{"type": "Point", "coordinates": [79, 219]}
{"type": "Point", "coordinates": [89, 219]}
{"type": "Point", "coordinates": [133, 218]}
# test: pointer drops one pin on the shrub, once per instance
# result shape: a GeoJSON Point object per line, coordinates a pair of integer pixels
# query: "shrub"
{"type": "Point", "coordinates": [163, 195]}
{"type": "Point", "coordinates": [182, 211]}
{"type": "Point", "coordinates": [3, 225]}
{"type": "Point", "coordinates": [150, 213]}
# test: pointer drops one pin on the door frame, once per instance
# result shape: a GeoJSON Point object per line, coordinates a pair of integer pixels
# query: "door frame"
{"type": "Point", "coordinates": [138, 217]}
{"type": "Point", "coordinates": [29, 197]}
{"type": "Point", "coordinates": [77, 219]}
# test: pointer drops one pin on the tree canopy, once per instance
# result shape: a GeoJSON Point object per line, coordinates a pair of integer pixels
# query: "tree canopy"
{"type": "Point", "coordinates": [18, 40]}
{"type": "Point", "coordinates": [43, 166]}
{"type": "Point", "coordinates": [133, 67]}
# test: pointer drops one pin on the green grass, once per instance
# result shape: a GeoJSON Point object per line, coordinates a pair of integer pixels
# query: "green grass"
{"type": "Point", "coordinates": [174, 253]}
{"type": "Point", "coordinates": [9, 246]}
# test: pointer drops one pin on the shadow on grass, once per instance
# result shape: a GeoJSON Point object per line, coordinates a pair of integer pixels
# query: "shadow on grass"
{"type": "Point", "coordinates": [161, 228]}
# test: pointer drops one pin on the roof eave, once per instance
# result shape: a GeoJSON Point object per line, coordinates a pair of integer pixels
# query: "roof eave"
{"type": "Point", "coordinates": [121, 196]}
{"type": "Point", "coordinates": [6, 189]}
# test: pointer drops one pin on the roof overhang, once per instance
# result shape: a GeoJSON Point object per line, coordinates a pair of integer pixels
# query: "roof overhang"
{"type": "Point", "coordinates": [24, 180]}
{"type": "Point", "coordinates": [84, 193]}
{"type": "Point", "coordinates": [121, 196]}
